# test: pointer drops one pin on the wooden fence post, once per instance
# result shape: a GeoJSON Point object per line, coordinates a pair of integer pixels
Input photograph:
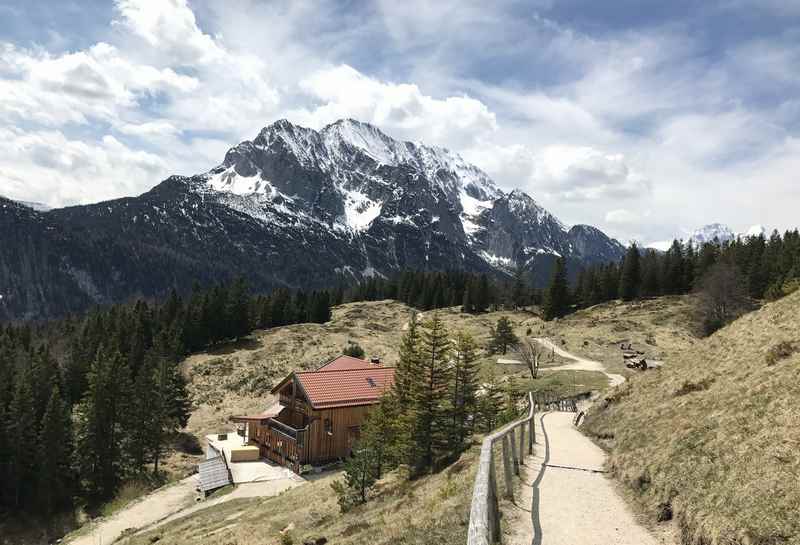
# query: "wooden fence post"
{"type": "Point", "coordinates": [513, 442]}
{"type": "Point", "coordinates": [507, 469]}
{"type": "Point", "coordinates": [522, 444]}
{"type": "Point", "coordinates": [532, 435]}
{"type": "Point", "coordinates": [494, 508]}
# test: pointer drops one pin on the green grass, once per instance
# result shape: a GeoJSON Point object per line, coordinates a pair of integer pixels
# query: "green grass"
{"type": "Point", "coordinates": [563, 383]}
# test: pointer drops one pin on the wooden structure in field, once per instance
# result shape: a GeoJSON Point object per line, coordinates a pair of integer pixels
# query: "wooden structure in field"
{"type": "Point", "coordinates": [319, 414]}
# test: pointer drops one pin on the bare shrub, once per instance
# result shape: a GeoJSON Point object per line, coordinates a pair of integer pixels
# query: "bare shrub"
{"type": "Point", "coordinates": [721, 298]}
{"type": "Point", "coordinates": [780, 351]}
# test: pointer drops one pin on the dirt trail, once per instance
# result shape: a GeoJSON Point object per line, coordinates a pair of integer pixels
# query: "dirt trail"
{"type": "Point", "coordinates": [167, 504]}
{"type": "Point", "coordinates": [153, 507]}
{"type": "Point", "coordinates": [570, 499]}
{"type": "Point", "coordinates": [581, 364]}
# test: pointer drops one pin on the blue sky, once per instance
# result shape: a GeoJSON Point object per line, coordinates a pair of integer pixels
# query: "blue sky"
{"type": "Point", "coordinates": [647, 119]}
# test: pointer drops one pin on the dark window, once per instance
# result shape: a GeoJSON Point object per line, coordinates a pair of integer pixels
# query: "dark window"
{"type": "Point", "coordinates": [328, 426]}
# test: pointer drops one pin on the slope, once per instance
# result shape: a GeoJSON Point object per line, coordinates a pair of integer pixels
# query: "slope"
{"type": "Point", "coordinates": [712, 439]}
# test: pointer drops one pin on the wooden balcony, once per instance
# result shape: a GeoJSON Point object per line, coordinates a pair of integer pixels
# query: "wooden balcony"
{"type": "Point", "coordinates": [283, 444]}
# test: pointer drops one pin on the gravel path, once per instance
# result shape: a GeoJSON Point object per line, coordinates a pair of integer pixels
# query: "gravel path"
{"type": "Point", "coordinates": [581, 364]}
{"type": "Point", "coordinates": [170, 503]}
{"type": "Point", "coordinates": [571, 501]}
{"type": "Point", "coordinates": [153, 507]}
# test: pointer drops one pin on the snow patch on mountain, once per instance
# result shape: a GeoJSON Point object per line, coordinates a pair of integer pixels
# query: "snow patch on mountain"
{"type": "Point", "coordinates": [755, 231]}
{"type": "Point", "coordinates": [360, 211]}
{"type": "Point", "coordinates": [711, 232]}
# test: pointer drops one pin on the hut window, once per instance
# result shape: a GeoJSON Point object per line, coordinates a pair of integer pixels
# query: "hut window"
{"type": "Point", "coordinates": [328, 426]}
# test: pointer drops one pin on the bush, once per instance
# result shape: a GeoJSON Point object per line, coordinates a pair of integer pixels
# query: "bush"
{"type": "Point", "coordinates": [780, 351]}
{"type": "Point", "coordinates": [688, 387]}
{"type": "Point", "coordinates": [354, 350]}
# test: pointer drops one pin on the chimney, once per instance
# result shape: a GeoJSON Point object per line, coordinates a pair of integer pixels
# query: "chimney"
{"type": "Point", "coordinates": [375, 360]}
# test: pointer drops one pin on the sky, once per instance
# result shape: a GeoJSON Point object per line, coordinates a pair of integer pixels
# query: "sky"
{"type": "Point", "coordinates": [644, 118]}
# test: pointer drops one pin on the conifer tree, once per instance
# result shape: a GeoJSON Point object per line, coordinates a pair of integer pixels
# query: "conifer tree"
{"type": "Point", "coordinates": [429, 415]}
{"type": "Point", "coordinates": [21, 415]}
{"type": "Point", "coordinates": [556, 300]}
{"type": "Point", "coordinates": [54, 474]}
{"type": "Point", "coordinates": [631, 276]}
{"type": "Point", "coordinates": [237, 310]}
{"type": "Point", "coordinates": [502, 336]}
{"type": "Point", "coordinates": [464, 388]}
{"type": "Point", "coordinates": [519, 290]}
{"type": "Point", "coordinates": [103, 425]}
{"type": "Point", "coordinates": [490, 403]}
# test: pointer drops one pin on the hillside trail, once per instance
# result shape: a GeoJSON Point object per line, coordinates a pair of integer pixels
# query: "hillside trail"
{"type": "Point", "coordinates": [565, 498]}
{"type": "Point", "coordinates": [581, 364]}
{"type": "Point", "coordinates": [167, 504]}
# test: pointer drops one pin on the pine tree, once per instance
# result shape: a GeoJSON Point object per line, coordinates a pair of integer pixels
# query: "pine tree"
{"type": "Point", "coordinates": [519, 291]}
{"type": "Point", "coordinates": [103, 425]}
{"type": "Point", "coordinates": [54, 474]}
{"type": "Point", "coordinates": [556, 300]}
{"type": "Point", "coordinates": [464, 388]}
{"type": "Point", "coordinates": [631, 277]}
{"type": "Point", "coordinates": [490, 403]}
{"type": "Point", "coordinates": [429, 416]}
{"type": "Point", "coordinates": [21, 415]}
{"type": "Point", "coordinates": [407, 370]}
{"type": "Point", "coordinates": [237, 310]}
{"type": "Point", "coordinates": [502, 336]}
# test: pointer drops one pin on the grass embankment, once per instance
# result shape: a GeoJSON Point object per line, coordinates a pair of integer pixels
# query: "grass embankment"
{"type": "Point", "coordinates": [432, 509]}
{"type": "Point", "coordinates": [714, 437]}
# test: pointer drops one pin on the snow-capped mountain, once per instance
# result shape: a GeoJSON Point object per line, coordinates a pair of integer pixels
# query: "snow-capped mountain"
{"type": "Point", "coordinates": [710, 232]}
{"type": "Point", "coordinates": [299, 208]}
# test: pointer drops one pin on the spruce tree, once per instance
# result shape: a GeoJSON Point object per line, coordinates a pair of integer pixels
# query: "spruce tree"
{"type": "Point", "coordinates": [502, 336]}
{"type": "Point", "coordinates": [21, 416]}
{"type": "Point", "coordinates": [54, 473]}
{"type": "Point", "coordinates": [237, 310]}
{"type": "Point", "coordinates": [464, 389]}
{"type": "Point", "coordinates": [519, 290]}
{"type": "Point", "coordinates": [556, 299]}
{"type": "Point", "coordinates": [631, 277]}
{"type": "Point", "coordinates": [429, 416]}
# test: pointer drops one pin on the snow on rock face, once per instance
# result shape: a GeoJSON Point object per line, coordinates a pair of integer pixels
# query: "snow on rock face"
{"type": "Point", "coordinates": [755, 231]}
{"type": "Point", "coordinates": [360, 210]}
{"type": "Point", "coordinates": [708, 233]}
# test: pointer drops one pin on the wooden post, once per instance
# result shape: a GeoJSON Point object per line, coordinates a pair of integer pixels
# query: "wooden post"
{"type": "Point", "coordinates": [532, 435]}
{"type": "Point", "coordinates": [494, 508]}
{"type": "Point", "coordinates": [507, 469]}
{"type": "Point", "coordinates": [522, 444]}
{"type": "Point", "coordinates": [513, 451]}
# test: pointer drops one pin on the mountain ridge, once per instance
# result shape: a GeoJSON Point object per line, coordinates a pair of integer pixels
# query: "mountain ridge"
{"type": "Point", "coordinates": [297, 208]}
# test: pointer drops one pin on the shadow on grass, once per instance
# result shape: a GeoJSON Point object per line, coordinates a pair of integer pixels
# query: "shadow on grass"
{"type": "Point", "coordinates": [248, 343]}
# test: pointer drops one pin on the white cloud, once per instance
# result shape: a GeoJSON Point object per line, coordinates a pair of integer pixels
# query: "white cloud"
{"type": "Point", "coordinates": [623, 216]}
{"type": "Point", "coordinates": [400, 108]}
{"type": "Point", "coordinates": [99, 83]}
{"type": "Point", "coordinates": [150, 128]}
{"type": "Point", "coordinates": [170, 27]}
{"type": "Point", "coordinates": [45, 166]}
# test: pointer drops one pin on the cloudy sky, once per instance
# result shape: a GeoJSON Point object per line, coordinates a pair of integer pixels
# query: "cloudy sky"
{"type": "Point", "coordinates": [644, 118]}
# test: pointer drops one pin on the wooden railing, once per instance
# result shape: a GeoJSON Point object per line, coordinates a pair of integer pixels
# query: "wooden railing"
{"type": "Point", "coordinates": [484, 517]}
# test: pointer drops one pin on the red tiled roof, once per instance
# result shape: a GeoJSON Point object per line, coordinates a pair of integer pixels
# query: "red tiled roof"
{"type": "Point", "coordinates": [345, 362]}
{"type": "Point", "coordinates": [346, 387]}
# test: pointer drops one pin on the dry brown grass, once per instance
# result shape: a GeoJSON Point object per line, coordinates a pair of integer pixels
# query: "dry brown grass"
{"type": "Point", "coordinates": [658, 327]}
{"type": "Point", "coordinates": [433, 509]}
{"type": "Point", "coordinates": [714, 435]}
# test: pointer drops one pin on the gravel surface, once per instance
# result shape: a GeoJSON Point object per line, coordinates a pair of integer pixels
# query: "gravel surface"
{"type": "Point", "coordinates": [567, 498]}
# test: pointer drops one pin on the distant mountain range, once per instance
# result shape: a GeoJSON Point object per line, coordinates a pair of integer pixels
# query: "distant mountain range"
{"type": "Point", "coordinates": [709, 233]}
{"type": "Point", "coordinates": [294, 207]}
